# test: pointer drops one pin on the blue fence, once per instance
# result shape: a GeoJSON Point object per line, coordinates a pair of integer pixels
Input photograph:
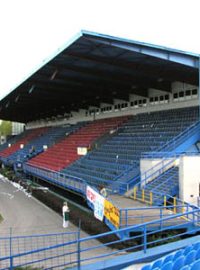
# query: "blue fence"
{"type": "Point", "coordinates": [138, 215]}
{"type": "Point", "coordinates": [71, 182]}
{"type": "Point", "coordinates": [56, 251]}
{"type": "Point", "coordinates": [57, 178]}
{"type": "Point", "coordinates": [50, 251]}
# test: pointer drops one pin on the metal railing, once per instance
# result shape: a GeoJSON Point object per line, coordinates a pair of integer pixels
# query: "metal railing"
{"type": "Point", "coordinates": [74, 251]}
{"type": "Point", "coordinates": [181, 137]}
{"type": "Point", "coordinates": [58, 178]}
{"type": "Point", "coordinates": [138, 215]}
{"type": "Point", "coordinates": [153, 172]}
{"type": "Point", "coordinates": [72, 182]}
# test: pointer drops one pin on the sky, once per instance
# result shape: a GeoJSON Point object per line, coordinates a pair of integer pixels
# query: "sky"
{"type": "Point", "coordinates": [32, 30]}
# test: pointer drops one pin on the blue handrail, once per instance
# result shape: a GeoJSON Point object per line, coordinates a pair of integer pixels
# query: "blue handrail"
{"type": "Point", "coordinates": [155, 172]}
{"type": "Point", "coordinates": [83, 247]}
{"type": "Point", "coordinates": [180, 137]}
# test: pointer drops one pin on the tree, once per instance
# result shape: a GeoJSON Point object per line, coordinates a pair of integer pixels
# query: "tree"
{"type": "Point", "coordinates": [5, 128]}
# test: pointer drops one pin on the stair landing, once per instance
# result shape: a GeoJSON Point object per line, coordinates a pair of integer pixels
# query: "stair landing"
{"type": "Point", "coordinates": [135, 213]}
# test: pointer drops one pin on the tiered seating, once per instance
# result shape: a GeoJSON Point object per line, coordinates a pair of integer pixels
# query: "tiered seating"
{"type": "Point", "coordinates": [27, 136]}
{"type": "Point", "coordinates": [142, 133]}
{"type": "Point", "coordinates": [50, 137]}
{"type": "Point", "coordinates": [165, 184]}
{"type": "Point", "coordinates": [11, 140]}
{"type": "Point", "coordinates": [64, 153]}
{"type": "Point", "coordinates": [183, 259]}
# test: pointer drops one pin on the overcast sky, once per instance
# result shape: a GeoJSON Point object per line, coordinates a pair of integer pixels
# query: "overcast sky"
{"type": "Point", "coordinates": [32, 30]}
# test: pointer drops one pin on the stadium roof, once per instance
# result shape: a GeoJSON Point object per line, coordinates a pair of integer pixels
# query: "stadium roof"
{"type": "Point", "coordinates": [93, 69]}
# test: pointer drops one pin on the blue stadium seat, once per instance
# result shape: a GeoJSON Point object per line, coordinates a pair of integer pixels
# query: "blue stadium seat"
{"type": "Point", "coordinates": [196, 246]}
{"type": "Point", "coordinates": [178, 254]}
{"type": "Point", "coordinates": [157, 264]}
{"type": "Point", "coordinates": [190, 257]}
{"type": "Point", "coordinates": [187, 250]}
{"type": "Point", "coordinates": [186, 267]}
{"type": "Point", "coordinates": [167, 266]}
{"type": "Point", "coordinates": [168, 258]}
{"type": "Point", "coordinates": [195, 265]}
{"type": "Point", "coordinates": [178, 263]}
{"type": "Point", "coordinates": [197, 254]}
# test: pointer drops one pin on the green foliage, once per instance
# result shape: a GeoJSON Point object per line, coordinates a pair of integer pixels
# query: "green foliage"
{"type": "Point", "coordinates": [164, 238]}
{"type": "Point", "coordinates": [5, 128]}
{"type": "Point", "coordinates": [1, 218]}
{"type": "Point", "coordinates": [7, 172]}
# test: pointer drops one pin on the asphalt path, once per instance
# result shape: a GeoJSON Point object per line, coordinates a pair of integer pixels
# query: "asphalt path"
{"type": "Point", "coordinates": [24, 215]}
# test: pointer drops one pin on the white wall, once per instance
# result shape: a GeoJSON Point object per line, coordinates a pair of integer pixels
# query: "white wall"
{"type": "Point", "coordinates": [17, 128]}
{"type": "Point", "coordinates": [147, 164]}
{"type": "Point", "coordinates": [189, 178]}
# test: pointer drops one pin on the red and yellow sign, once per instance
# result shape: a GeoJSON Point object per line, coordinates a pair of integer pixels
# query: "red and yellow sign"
{"type": "Point", "coordinates": [111, 213]}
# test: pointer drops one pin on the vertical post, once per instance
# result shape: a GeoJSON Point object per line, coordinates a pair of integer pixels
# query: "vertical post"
{"type": "Point", "coordinates": [126, 217]}
{"type": "Point", "coordinates": [161, 216]}
{"type": "Point", "coordinates": [145, 239]}
{"type": "Point", "coordinates": [143, 195]}
{"type": "Point", "coordinates": [10, 244]}
{"type": "Point", "coordinates": [135, 193]}
{"type": "Point", "coordinates": [187, 211]}
{"type": "Point", "coordinates": [79, 245]}
{"type": "Point", "coordinates": [193, 218]}
{"type": "Point", "coordinates": [120, 217]}
{"type": "Point", "coordinates": [183, 208]}
{"type": "Point", "coordinates": [165, 201]}
{"type": "Point", "coordinates": [175, 205]}
{"type": "Point", "coordinates": [151, 198]}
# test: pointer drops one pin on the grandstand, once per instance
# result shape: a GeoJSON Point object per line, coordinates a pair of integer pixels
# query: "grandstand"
{"type": "Point", "coordinates": [123, 115]}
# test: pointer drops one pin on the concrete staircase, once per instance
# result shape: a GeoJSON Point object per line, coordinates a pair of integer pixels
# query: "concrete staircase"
{"type": "Point", "coordinates": [166, 184]}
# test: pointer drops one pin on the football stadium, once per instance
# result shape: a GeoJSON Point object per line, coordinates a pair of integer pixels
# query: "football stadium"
{"type": "Point", "coordinates": [111, 126]}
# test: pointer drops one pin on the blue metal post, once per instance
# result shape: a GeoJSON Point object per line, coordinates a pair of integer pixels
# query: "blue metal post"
{"type": "Point", "coordinates": [126, 217]}
{"type": "Point", "coordinates": [79, 246]}
{"type": "Point", "coordinates": [145, 239]}
{"type": "Point", "coordinates": [120, 218]}
{"type": "Point", "coordinates": [161, 216]}
{"type": "Point", "coordinates": [193, 218]}
{"type": "Point", "coordinates": [11, 258]}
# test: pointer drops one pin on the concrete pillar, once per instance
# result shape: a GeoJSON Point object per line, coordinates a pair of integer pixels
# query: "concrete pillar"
{"type": "Point", "coordinates": [189, 178]}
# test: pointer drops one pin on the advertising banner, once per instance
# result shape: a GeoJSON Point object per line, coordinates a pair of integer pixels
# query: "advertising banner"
{"type": "Point", "coordinates": [98, 201]}
{"type": "Point", "coordinates": [82, 151]}
{"type": "Point", "coordinates": [111, 213]}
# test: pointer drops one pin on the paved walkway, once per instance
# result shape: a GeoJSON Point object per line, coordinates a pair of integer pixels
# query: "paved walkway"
{"type": "Point", "coordinates": [27, 216]}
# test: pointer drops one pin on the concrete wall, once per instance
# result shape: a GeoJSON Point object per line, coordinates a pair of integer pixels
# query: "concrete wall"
{"type": "Point", "coordinates": [155, 167]}
{"type": "Point", "coordinates": [189, 174]}
{"type": "Point", "coordinates": [189, 178]}
{"type": "Point", "coordinates": [17, 128]}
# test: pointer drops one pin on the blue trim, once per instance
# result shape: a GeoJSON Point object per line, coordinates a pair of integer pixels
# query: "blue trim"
{"type": "Point", "coordinates": [135, 42]}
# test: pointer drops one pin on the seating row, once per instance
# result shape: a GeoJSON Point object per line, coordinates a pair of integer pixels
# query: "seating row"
{"type": "Point", "coordinates": [184, 259]}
